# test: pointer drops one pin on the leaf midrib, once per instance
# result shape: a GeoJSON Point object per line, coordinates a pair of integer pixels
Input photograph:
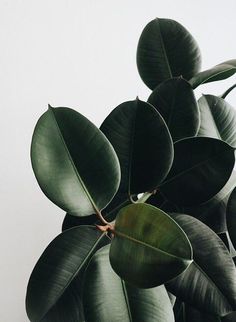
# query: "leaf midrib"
{"type": "Point", "coordinates": [73, 276]}
{"type": "Point", "coordinates": [163, 48]}
{"type": "Point", "coordinates": [140, 242]}
{"type": "Point", "coordinates": [212, 282]}
{"type": "Point", "coordinates": [72, 162]}
{"type": "Point", "coordinates": [186, 171]}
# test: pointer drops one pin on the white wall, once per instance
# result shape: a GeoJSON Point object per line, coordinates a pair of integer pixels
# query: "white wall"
{"type": "Point", "coordinates": [79, 54]}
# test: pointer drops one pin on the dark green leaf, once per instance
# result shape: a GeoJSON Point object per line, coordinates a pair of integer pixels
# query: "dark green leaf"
{"type": "Point", "coordinates": [201, 168]}
{"type": "Point", "coordinates": [209, 283]}
{"type": "Point", "coordinates": [231, 217]}
{"type": "Point", "coordinates": [54, 289]}
{"type": "Point", "coordinates": [218, 119]}
{"type": "Point", "coordinates": [213, 212]}
{"type": "Point", "coordinates": [175, 101]}
{"type": "Point", "coordinates": [107, 298]}
{"type": "Point", "coordinates": [218, 72]}
{"type": "Point", "coordinates": [74, 163]}
{"type": "Point", "coordinates": [165, 50]}
{"type": "Point", "coordinates": [143, 144]}
{"type": "Point", "coordinates": [148, 247]}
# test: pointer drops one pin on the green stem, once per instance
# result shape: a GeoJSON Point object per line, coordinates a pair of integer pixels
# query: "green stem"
{"type": "Point", "coordinates": [145, 197]}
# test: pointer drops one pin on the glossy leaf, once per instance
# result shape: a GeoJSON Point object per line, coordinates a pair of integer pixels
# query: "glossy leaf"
{"type": "Point", "coordinates": [213, 212]}
{"type": "Point", "coordinates": [175, 101]}
{"type": "Point", "coordinates": [143, 144]}
{"type": "Point", "coordinates": [54, 289]}
{"type": "Point", "coordinates": [74, 163]}
{"type": "Point", "coordinates": [148, 247]}
{"type": "Point", "coordinates": [209, 283]}
{"type": "Point", "coordinates": [218, 119]}
{"type": "Point", "coordinates": [201, 168]}
{"type": "Point", "coordinates": [165, 50]}
{"type": "Point", "coordinates": [118, 301]}
{"type": "Point", "coordinates": [231, 217]}
{"type": "Point", "coordinates": [216, 73]}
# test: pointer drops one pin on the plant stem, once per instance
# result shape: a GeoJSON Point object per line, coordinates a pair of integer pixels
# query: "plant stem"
{"type": "Point", "coordinates": [145, 196]}
{"type": "Point", "coordinates": [101, 218]}
{"type": "Point", "coordinates": [228, 91]}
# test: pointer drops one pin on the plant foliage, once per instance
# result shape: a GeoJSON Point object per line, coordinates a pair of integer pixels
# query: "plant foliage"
{"type": "Point", "coordinates": [149, 232]}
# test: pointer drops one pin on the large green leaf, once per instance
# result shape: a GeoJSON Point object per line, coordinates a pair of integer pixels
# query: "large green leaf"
{"type": "Point", "coordinates": [143, 144]}
{"type": "Point", "coordinates": [165, 50]}
{"type": "Point", "coordinates": [218, 119]}
{"type": "Point", "coordinates": [231, 217]}
{"type": "Point", "coordinates": [213, 212]}
{"type": "Point", "coordinates": [54, 289]}
{"type": "Point", "coordinates": [74, 163]}
{"type": "Point", "coordinates": [209, 283]}
{"type": "Point", "coordinates": [148, 247]}
{"type": "Point", "coordinates": [218, 72]}
{"type": "Point", "coordinates": [176, 102]}
{"type": "Point", "coordinates": [107, 298]}
{"type": "Point", "coordinates": [200, 169]}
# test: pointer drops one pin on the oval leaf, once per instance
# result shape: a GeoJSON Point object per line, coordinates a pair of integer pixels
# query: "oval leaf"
{"type": "Point", "coordinates": [209, 283]}
{"type": "Point", "coordinates": [218, 72]}
{"type": "Point", "coordinates": [175, 101]}
{"type": "Point", "coordinates": [143, 144]}
{"type": "Point", "coordinates": [74, 163]}
{"type": "Point", "coordinates": [231, 217]}
{"type": "Point", "coordinates": [201, 168]}
{"type": "Point", "coordinates": [218, 119]}
{"type": "Point", "coordinates": [165, 50]}
{"type": "Point", "coordinates": [118, 301]}
{"type": "Point", "coordinates": [54, 289]}
{"type": "Point", "coordinates": [148, 247]}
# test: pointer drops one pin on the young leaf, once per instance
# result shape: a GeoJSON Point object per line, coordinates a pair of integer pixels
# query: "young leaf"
{"type": "Point", "coordinates": [175, 101]}
{"type": "Point", "coordinates": [148, 247]}
{"type": "Point", "coordinates": [209, 283]}
{"type": "Point", "coordinates": [116, 301]}
{"type": "Point", "coordinates": [143, 144]}
{"type": "Point", "coordinates": [55, 286]}
{"type": "Point", "coordinates": [165, 50]}
{"type": "Point", "coordinates": [218, 72]}
{"type": "Point", "coordinates": [231, 217]}
{"type": "Point", "coordinates": [74, 163]}
{"type": "Point", "coordinates": [218, 119]}
{"type": "Point", "coordinates": [200, 169]}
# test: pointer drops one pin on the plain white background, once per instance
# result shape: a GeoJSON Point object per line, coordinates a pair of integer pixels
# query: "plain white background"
{"type": "Point", "coordinates": [79, 54]}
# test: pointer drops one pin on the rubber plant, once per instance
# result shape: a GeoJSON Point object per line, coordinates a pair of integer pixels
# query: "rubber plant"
{"type": "Point", "coordinates": [150, 230]}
